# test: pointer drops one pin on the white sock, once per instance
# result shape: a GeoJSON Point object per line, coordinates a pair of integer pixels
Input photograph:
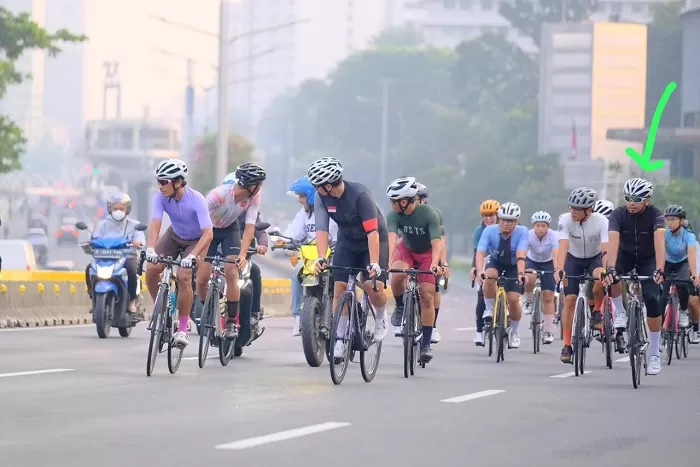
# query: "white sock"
{"type": "Point", "coordinates": [380, 312]}
{"type": "Point", "coordinates": [549, 324]}
{"type": "Point", "coordinates": [514, 325]}
{"type": "Point", "coordinates": [619, 305]}
{"type": "Point", "coordinates": [489, 303]}
{"type": "Point", "coordinates": [654, 340]}
{"type": "Point", "coordinates": [529, 296]}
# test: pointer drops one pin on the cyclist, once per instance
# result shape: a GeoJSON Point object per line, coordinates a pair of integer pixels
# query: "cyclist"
{"type": "Point", "coordinates": [506, 243]}
{"type": "Point", "coordinates": [303, 229]}
{"type": "Point", "coordinates": [637, 241]}
{"type": "Point", "coordinates": [542, 254]}
{"type": "Point", "coordinates": [117, 224]}
{"type": "Point", "coordinates": [488, 210]}
{"type": "Point", "coordinates": [188, 236]}
{"type": "Point", "coordinates": [421, 245]}
{"type": "Point", "coordinates": [681, 250]}
{"type": "Point", "coordinates": [239, 193]}
{"type": "Point", "coordinates": [363, 240]}
{"type": "Point", "coordinates": [583, 236]}
{"type": "Point", "coordinates": [423, 199]}
{"type": "Point", "coordinates": [694, 302]}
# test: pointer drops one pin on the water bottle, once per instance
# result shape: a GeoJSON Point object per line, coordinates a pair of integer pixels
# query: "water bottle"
{"type": "Point", "coordinates": [173, 303]}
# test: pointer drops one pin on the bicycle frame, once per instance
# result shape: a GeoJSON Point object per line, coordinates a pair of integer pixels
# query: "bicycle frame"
{"type": "Point", "coordinates": [638, 338]}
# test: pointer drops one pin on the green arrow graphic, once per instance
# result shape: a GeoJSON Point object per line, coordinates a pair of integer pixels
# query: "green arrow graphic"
{"type": "Point", "coordinates": [644, 160]}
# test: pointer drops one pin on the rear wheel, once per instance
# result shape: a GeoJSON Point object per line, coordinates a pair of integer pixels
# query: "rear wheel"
{"type": "Point", "coordinates": [501, 333]}
{"type": "Point", "coordinates": [408, 337]}
{"type": "Point", "coordinates": [125, 331]}
{"type": "Point", "coordinates": [536, 323]}
{"type": "Point", "coordinates": [174, 351]}
{"type": "Point", "coordinates": [634, 346]}
{"type": "Point", "coordinates": [578, 339]}
{"type": "Point", "coordinates": [607, 330]}
{"type": "Point", "coordinates": [206, 327]}
{"type": "Point", "coordinates": [157, 324]}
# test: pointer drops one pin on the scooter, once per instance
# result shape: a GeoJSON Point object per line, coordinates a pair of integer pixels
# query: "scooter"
{"type": "Point", "coordinates": [109, 283]}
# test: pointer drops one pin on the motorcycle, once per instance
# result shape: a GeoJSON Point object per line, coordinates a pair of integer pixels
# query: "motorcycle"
{"type": "Point", "coordinates": [109, 283]}
{"type": "Point", "coordinates": [315, 315]}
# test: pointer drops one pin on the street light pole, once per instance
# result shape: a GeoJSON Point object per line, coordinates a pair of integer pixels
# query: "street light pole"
{"type": "Point", "coordinates": [385, 132]}
{"type": "Point", "coordinates": [222, 136]}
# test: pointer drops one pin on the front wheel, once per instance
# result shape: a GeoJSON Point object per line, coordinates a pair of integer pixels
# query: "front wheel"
{"type": "Point", "coordinates": [125, 331]}
{"type": "Point", "coordinates": [207, 324]}
{"type": "Point", "coordinates": [371, 349]}
{"type": "Point", "coordinates": [101, 313]}
{"type": "Point", "coordinates": [536, 323]}
{"type": "Point", "coordinates": [309, 326]}
{"type": "Point", "coordinates": [341, 332]}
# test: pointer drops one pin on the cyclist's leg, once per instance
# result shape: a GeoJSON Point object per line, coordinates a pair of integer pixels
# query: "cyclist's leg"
{"type": "Point", "coordinates": [230, 247]}
{"type": "Point", "coordinates": [530, 267]}
{"type": "Point", "coordinates": [402, 260]}
{"type": "Point", "coordinates": [623, 266]}
{"type": "Point", "coordinates": [427, 293]}
{"type": "Point", "coordinates": [574, 267]}
{"type": "Point", "coordinates": [694, 305]}
{"type": "Point", "coordinates": [596, 267]}
{"type": "Point", "coordinates": [682, 273]}
{"type": "Point", "coordinates": [650, 293]}
{"type": "Point", "coordinates": [378, 299]}
{"type": "Point", "coordinates": [165, 246]}
{"type": "Point", "coordinates": [204, 268]}
{"type": "Point", "coordinates": [514, 291]}
{"type": "Point", "coordinates": [297, 297]}
{"type": "Point", "coordinates": [342, 257]}
{"type": "Point", "coordinates": [491, 270]}
{"type": "Point", "coordinates": [548, 284]}
{"type": "Point", "coordinates": [185, 294]}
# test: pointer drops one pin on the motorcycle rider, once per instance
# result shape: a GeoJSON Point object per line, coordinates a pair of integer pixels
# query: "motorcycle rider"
{"type": "Point", "coordinates": [262, 241]}
{"type": "Point", "coordinates": [117, 224]}
{"type": "Point", "coordinates": [302, 230]}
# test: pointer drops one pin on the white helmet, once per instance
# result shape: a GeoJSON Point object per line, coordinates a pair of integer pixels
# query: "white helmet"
{"type": "Point", "coordinates": [509, 211]}
{"type": "Point", "coordinates": [541, 216]}
{"type": "Point", "coordinates": [604, 207]}
{"type": "Point", "coordinates": [170, 169]}
{"type": "Point", "coordinates": [582, 198]}
{"type": "Point", "coordinates": [325, 170]}
{"type": "Point", "coordinates": [638, 187]}
{"type": "Point", "coordinates": [404, 187]}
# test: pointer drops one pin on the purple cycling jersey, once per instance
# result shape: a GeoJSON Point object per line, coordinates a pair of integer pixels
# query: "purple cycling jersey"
{"type": "Point", "coordinates": [187, 217]}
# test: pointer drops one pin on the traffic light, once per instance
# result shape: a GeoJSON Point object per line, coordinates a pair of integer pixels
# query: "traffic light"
{"type": "Point", "coordinates": [95, 171]}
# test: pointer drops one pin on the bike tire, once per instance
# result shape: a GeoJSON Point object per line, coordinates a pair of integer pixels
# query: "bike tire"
{"type": "Point", "coordinates": [101, 314]}
{"type": "Point", "coordinates": [536, 323]}
{"type": "Point", "coordinates": [174, 351]}
{"type": "Point", "coordinates": [634, 346]}
{"type": "Point", "coordinates": [408, 330]}
{"type": "Point", "coordinates": [206, 328]}
{"type": "Point", "coordinates": [369, 364]}
{"type": "Point", "coordinates": [226, 346]}
{"type": "Point", "coordinates": [607, 331]}
{"type": "Point", "coordinates": [685, 343]}
{"type": "Point", "coordinates": [312, 342]}
{"type": "Point", "coordinates": [577, 339]}
{"type": "Point", "coordinates": [489, 337]}
{"type": "Point", "coordinates": [339, 370]}
{"type": "Point", "coordinates": [157, 322]}
{"type": "Point", "coordinates": [501, 331]}
{"type": "Point", "coordinates": [559, 312]}
{"type": "Point", "coordinates": [417, 331]}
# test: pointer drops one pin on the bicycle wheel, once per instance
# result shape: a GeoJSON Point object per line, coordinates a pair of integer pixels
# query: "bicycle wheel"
{"type": "Point", "coordinates": [500, 330]}
{"type": "Point", "coordinates": [174, 351]}
{"type": "Point", "coordinates": [206, 327]}
{"type": "Point", "coordinates": [536, 323]}
{"type": "Point", "coordinates": [157, 325]}
{"type": "Point", "coordinates": [559, 312]}
{"type": "Point", "coordinates": [488, 330]}
{"type": "Point", "coordinates": [634, 346]}
{"type": "Point", "coordinates": [371, 349]}
{"type": "Point", "coordinates": [578, 338]}
{"type": "Point", "coordinates": [417, 334]}
{"type": "Point", "coordinates": [341, 331]}
{"type": "Point", "coordinates": [685, 335]}
{"type": "Point", "coordinates": [408, 328]}
{"type": "Point", "coordinates": [607, 330]}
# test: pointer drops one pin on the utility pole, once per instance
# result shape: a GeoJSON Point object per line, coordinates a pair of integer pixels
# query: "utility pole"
{"type": "Point", "coordinates": [112, 82]}
{"type": "Point", "coordinates": [222, 134]}
{"type": "Point", "coordinates": [385, 132]}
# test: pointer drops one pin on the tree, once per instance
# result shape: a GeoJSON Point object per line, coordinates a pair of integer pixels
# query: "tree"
{"type": "Point", "coordinates": [408, 37]}
{"type": "Point", "coordinates": [683, 191]}
{"type": "Point", "coordinates": [240, 150]}
{"type": "Point", "coordinates": [18, 33]}
{"type": "Point", "coordinates": [527, 16]}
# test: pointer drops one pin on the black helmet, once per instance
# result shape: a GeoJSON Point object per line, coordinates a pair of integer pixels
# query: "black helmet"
{"type": "Point", "coordinates": [250, 174]}
{"type": "Point", "coordinates": [675, 210]}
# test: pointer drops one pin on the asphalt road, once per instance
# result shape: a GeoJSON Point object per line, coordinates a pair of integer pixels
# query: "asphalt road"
{"type": "Point", "coordinates": [269, 408]}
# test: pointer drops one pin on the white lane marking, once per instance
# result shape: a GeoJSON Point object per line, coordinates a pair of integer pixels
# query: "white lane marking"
{"type": "Point", "coordinates": [196, 357]}
{"type": "Point", "coordinates": [34, 372]}
{"type": "Point", "coordinates": [46, 328]}
{"type": "Point", "coordinates": [476, 395]}
{"type": "Point", "coordinates": [464, 329]}
{"type": "Point", "coordinates": [282, 436]}
{"type": "Point", "coordinates": [570, 374]}
{"type": "Point", "coordinates": [623, 359]}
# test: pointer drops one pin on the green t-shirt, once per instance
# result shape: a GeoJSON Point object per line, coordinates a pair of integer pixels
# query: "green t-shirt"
{"type": "Point", "coordinates": [442, 219]}
{"type": "Point", "coordinates": [418, 229]}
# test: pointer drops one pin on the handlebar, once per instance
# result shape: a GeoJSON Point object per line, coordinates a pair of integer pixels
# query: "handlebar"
{"type": "Point", "coordinates": [169, 261]}
{"type": "Point", "coordinates": [411, 271]}
{"type": "Point", "coordinates": [350, 270]}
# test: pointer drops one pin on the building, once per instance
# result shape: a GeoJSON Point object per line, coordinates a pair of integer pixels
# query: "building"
{"type": "Point", "coordinates": [592, 78]}
{"type": "Point", "coordinates": [446, 23]}
{"type": "Point", "coordinates": [24, 103]}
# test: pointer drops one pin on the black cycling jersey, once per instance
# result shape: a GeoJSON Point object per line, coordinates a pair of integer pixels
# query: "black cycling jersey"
{"type": "Point", "coordinates": [637, 230]}
{"type": "Point", "coordinates": [356, 214]}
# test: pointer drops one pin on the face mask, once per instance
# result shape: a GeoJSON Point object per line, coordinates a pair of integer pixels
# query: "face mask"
{"type": "Point", "coordinates": [118, 215]}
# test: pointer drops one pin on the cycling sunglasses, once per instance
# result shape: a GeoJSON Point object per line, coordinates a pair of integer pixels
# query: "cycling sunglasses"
{"type": "Point", "coordinates": [634, 199]}
{"type": "Point", "coordinates": [163, 182]}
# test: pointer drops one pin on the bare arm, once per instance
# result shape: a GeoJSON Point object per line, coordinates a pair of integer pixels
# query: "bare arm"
{"type": "Point", "coordinates": [203, 243]}
{"type": "Point", "coordinates": [660, 248]}
{"type": "Point", "coordinates": [154, 232]}
{"type": "Point", "coordinates": [614, 245]}
{"type": "Point", "coordinates": [393, 241]}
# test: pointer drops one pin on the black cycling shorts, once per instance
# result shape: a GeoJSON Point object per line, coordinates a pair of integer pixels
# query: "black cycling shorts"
{"type": "Point", "coordinates": [229, 238]}
{"type": "Point", "coordinates": [511, 271]}
{"type": "Point", "coordinates": [575, 267]}
{"type": "Point", "coordinates": [347, 257]}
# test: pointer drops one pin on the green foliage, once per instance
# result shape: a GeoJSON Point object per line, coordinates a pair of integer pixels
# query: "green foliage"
{"type": "Point", "coordinates": [240, 150]}
{"type": "Point", "coordinates": [683, 191]}
{"type": "Point", "coordinates": [18, 34]}
{"type": "Point", "coordinates": [399, 37]}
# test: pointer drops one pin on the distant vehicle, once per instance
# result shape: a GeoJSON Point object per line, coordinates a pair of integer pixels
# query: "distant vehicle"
{"type": "Point", "coordinates": [60, 266]}
{"type": "Point", "coordinates": [40, 242]}
{"type": "Point", "coordinates": [67, 233]}
{"type": "Point", "coordinates": [17, 255]}
{"type": "Point", "coordinates": [37, 221]}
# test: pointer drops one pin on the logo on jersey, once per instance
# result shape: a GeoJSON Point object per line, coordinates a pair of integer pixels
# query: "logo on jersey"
{"type": "Point", "coordinates": [331, 209]}
{"type": "Point", "coordinates": [561, 227]}
{"type": "Point", "coordinates": [407, 229]}
{"type": "Point", "coordinates": [310, 228]}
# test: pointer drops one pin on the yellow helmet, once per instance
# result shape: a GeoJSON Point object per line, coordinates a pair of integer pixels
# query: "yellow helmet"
{"type": "Point", "coordinates": [490, 206]}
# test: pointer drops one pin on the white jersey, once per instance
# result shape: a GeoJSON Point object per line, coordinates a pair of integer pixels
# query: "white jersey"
{"type": "Point", "coordinates": [540, 251]}
{"type": "Point", "coordinates": [585, 237]}
{"type": "Point", "coordinates": [303, 227]}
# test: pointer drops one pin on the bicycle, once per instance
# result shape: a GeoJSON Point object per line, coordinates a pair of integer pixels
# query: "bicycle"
{"type": "Point", "coordinates": [558, 310]}
{"type": "Point", "coordinates": [164, 323]}
{"type": "Point", "coordinates": [673, 335]}
{"type": "Point", "coordinates": [356, 335]}
{"type": "Point", "coordinates": [582, 334]}
{"type": "Point", "coordinates": [411, 324]}
{"type": "Point", "coordinates": [212, 329]}
{"type": "Point", "coordinates": [500, 317]}
{"type": "Point", "coordinates": [636, 328]}
{"type": "Point", "coordinates": [608, 325]}
{"type": "Point", "coordinates": [537, 316]}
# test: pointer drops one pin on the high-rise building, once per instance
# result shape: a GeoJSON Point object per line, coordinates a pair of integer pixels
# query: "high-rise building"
{"type": "Point", "coordinates": [24, 103]}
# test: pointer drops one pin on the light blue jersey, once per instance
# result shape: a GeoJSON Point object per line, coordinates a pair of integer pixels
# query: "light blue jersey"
{"type": "Point", "coordinates": [677, 245]}
{"type": "Point", "coordinates": [492, 243]}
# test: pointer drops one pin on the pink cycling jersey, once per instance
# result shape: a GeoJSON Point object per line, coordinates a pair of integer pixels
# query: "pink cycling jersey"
{"type": "Point", "coordinates": [224, 211]}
